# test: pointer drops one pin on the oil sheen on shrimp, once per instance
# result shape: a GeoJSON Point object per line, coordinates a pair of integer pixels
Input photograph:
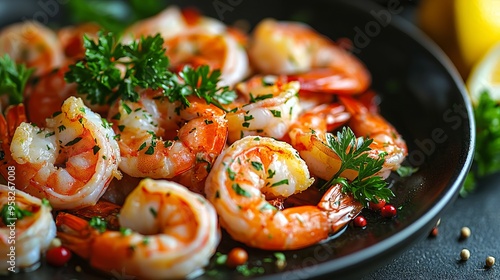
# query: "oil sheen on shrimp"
{"type": "Point", "coordinates": [32, 44]}
{"type": "Point", "coordinates": [33, 233]}
{"type": "Point", "coordinates": [263, 109]}
{"type": "Point", "coordinates": [71, 161]}
{"type": "Point", "coordinates": [254, 169]}
{"type": "Point", "coordinates": [161, 139]}
{"type": "Point", "coordinates": [172, 233]}
{"type": "Point", "coordinates": [295, 49]}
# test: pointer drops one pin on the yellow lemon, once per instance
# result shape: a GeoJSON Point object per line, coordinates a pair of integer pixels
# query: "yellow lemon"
{"type": "Point", "coordinates": [478, 27]}
{"type": "Point", "coordinates": [485, 75]}
{"type": "Point", "coordinates": [464, 29]}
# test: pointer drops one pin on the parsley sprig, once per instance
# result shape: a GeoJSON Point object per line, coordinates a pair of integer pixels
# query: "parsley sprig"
{"type": "Point", "coordinates": [353, 152]}
{"type": "Point", "coordinates": [13, 79]}
{"type": "Point", "coordinates": [100, 75]}
{"type": "Point", "coordinates": [487, 152]}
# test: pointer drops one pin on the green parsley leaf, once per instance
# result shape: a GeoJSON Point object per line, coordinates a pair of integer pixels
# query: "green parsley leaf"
{"type": "Point", "coordinates": [487, 151]}
{"type": "Point", "coordinates": [98, 223]}
{"type": "Point", "coordinates": [13, 79]}
{"type": "Point", "coordinates": [405, 171]}
{"type": "Point", "coordinates": [99, 77]}
{"type": "Point", "coordinates": [353, 153]}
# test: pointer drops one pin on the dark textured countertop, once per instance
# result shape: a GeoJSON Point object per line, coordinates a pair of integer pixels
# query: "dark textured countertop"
{"type": "Point", "coordinates": [439, 257]}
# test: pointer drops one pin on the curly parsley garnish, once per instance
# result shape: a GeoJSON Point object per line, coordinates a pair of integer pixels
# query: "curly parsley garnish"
{"type": "Point", "coordinates": [112, 70]}
{"type": "Point", "coordinates": [13, 79]}
{"type": "Point", "coordinates": [487, 152]}
{"type": "Point", "coordinates": [352, 152]}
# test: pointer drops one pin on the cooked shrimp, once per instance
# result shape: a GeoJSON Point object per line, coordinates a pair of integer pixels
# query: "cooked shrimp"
{"type": "Point", "coordinates": [315, 61]}
{"type": "Point", "coordinates": [263, 109]}
{"type": "Point", "coordinates": [45, 95]}
{"type": "Point", "coordinates": [218, 50]}
{"type": "Point", "coordinates": [160, 139]}
{"type": "Point", "coordinates": [173, 232]}
{"type": "Point", "coordinates": [32, 44]}
{"type": "Point", "coordinates": [70, 162]}
{"type": "Point", "coordinates": [71, 38]}
{"type": "Point", "coordinates": [255, 168]}
{"type": "Point", "coordinates": [171, 22]}
{"type": "Point", "coordinates": [386, 138]}
{"type": "Point", "coordinates": [308, 136]}
{"type": "Point", "coordinates": [33, 232]}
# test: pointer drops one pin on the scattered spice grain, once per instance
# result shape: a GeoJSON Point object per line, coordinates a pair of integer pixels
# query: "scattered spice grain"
{"type": "Point", "coordinates": [464, 254]}
{"type": "Point", "coordinates": [490, 261]}
{"type": "Point", "coordinates": [465, 233]}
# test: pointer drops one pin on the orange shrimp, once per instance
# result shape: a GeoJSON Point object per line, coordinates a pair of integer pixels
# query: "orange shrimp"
{"type": "Point", "coordinates": [308, 136]}
{"type": "Point", "coordinates": [263, 108]}
{"type": "Point", "coordinates": [254, 169]}
{"type": "Point", "coordinates": [160, 139]}
{"type": "Point", "coordinates": [386, 138]}
{"type": "Point", "coordinates": [71, 38]}
{"type": "Point", "coordinates": [218, 50]}
{"type": "Point", "coordinates": [296, 50]}
{"type": "Point", "coordinates": [33, 232]}
{"type": "Point", "coordinates": [32, 44]}
{"type": "Point", "coordinates": [171, 232]}
{"type": "Point", "coordinates": [70, 161]}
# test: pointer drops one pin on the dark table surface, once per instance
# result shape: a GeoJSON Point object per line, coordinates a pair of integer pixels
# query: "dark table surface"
{"type": "Point", "coordinates": [439, 257]}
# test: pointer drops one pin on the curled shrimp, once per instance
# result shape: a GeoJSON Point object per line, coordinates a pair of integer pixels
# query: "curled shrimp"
{"type": "Point", "coordinates": [173, 21]}
{"type": "Point", "coordinates": [265, 109]}
{"type": "Point", "coordinates": [173, 232]}
{"type": "Point", "coordinates": [71, 38]}
{"type": "Point", "coordinates": [70, 162]}
{"type": "Point", "coordinates": [255, 168]}
{"type": "Point", "coordinates": [32, 44]}
{"type": "Point", "coordinates": [308, 136]}
{"type": "Point", "coordinates": [44, 95]}
{"type": "Point", "coordinates": [218, 50]}
{"type": "Point", "coordinates": [161, 139]}
{"type": "Point", "coordinates": [298, 51]}
{"type": "Point", "coordinates": [386, 139]}
{"type": "Point", "coordinates": [30, 235]}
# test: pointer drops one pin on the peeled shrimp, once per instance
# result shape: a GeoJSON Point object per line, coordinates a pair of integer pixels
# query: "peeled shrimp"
{"type": "Point", "coordinates": [174, 232]}
{"type": "Point", "coordinates": [386, 138]}
{"type": "Point", "coordinates": [218, 50]}
{"type": "Point", "coordinates": [254, 169]}
{"type": "Point", "coordinates": [170, 22]}
{"type": "Point", "coordinates": [70, 162]}
{"type": "Point", "coordinates": [295, 49]}
{"type": "Point", "coordinates": [263, 109]}
{"type": "Point", "coordinates": [30, 235]}
{"type": "Point", "coordinates": [160, 139]}
{"type": "Point", "coordinates": [32, 44]}
{"type": "Point", "coordinates": [71, 38]}
{"type": "Point", "coordinates": [308, 136]}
